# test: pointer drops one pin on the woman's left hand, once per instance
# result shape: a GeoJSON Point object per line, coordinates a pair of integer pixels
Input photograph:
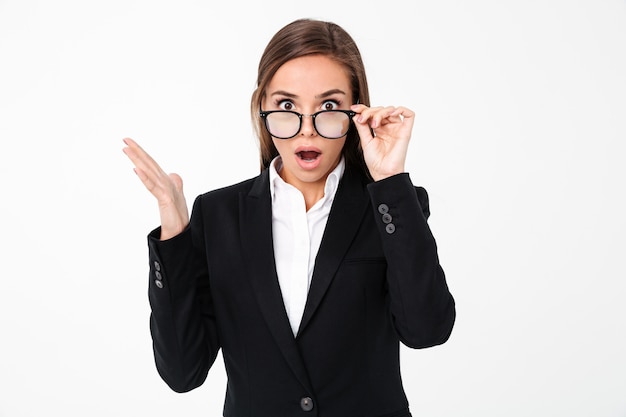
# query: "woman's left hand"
{"type": "Point", "coordinates": [385, 133]}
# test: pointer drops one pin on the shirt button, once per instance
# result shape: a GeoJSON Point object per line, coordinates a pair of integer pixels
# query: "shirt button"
{"type": "Point", "coordinates": [390, 228]}
{"type": "Point", "coordinates": [387, 218]}
{"type": "Point", "coordinates": [383, 208]}
{"type": "Point", "coordinates": [158, 283]}
{"type": "Point", "coordinates": [306, 404]}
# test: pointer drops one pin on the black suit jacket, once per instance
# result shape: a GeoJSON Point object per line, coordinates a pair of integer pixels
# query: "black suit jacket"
{"type": "Point", "coordinates": [377, 282]}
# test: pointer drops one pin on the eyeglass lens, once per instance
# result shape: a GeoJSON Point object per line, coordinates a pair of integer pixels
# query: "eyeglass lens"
{"type": "Point", "coordinates": [328, 124]}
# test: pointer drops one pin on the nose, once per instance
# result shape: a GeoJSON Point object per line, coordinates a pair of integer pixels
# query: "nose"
{"type": "Point", "coordinates": [308, 128]}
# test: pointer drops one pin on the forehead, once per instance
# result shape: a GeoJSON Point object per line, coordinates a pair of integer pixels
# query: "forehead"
{"type": "Point", "coordinates": [309, 76]}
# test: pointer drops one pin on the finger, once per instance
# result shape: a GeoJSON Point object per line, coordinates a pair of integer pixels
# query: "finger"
{"type": "Point", "coordinates": [145, 180]}
{"type": "Point", "coordinates": [165, 193]}
{"type": "Point", "coordinates": [403, 112]}
{"type": "Point", "coordinates": [157, 182]}
{"type": "Point", "coordinates": [383, 116]}
{"type": "Point", "coordinates": [364, 131]}
{"type": "Point", "coordinates": [384, 112]}
{"type": "Point", "coordinates": [365, 113]}
{"type": "Point", "coordinates": [137, 154]}
{"type": "Point", "coordinates": [148, 176]}
{"type": "Point", "coordinates": [358, 108]}
{"type": "Point", "coordinates": [405, 116]}
{"type": "Point", "coordinates": [375, 115]}
{"type": "Point", "coordinates": [142, 160]}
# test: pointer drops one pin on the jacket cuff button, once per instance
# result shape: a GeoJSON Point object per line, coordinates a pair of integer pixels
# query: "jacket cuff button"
{"type": "Point", "coordinates": [383, 208]}
{"type": "Point", "coordinates": [390, 228]}
{"type": "Point", "coordinates": [158, 283]}
{"type": "Point", "coordinates": [306, 404]}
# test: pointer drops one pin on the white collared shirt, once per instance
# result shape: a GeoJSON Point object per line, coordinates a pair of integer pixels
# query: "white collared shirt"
{"type": "Point", "coordinates": [297, 235]}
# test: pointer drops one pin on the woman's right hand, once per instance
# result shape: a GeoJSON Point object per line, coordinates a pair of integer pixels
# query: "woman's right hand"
{"type": "Point", "coordinates": [167, 188]}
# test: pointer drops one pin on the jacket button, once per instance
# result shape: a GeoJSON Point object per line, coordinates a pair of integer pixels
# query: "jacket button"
{"type": "Point", "coordinates": [158, 276]}
{"type": "Point", "coordinates": [383, 208]}
{"type": "Point", "coordinates": [306, 404]}
{"type": "Point", "coordinates": [390, 228]}
{"type": "Point", "coordinates": [387, 218]}
{"type": "Point", "coordinates": [157, 265]}
{"type": "Point", "coordinates": [158, 283]}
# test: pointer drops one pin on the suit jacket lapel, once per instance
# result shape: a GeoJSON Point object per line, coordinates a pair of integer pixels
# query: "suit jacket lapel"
{"type": "Point", "coordinates": [350, 203]}
{"type": "Point", "coordinates": [255, 212]}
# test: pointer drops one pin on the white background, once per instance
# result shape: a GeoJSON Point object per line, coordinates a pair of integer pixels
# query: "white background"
{"type": "Point", "coordinates": [519, 140]}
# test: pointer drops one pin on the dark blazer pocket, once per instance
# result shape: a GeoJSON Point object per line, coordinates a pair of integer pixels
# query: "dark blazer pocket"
{"type": "Point", "coordinates": [366, 271]}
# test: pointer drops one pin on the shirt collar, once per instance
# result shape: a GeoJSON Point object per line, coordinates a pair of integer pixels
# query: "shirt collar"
{"type": "Point", "coordinates": [330, 188]}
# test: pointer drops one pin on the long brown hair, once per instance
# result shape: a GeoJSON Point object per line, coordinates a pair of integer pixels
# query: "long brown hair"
{"type": "Point", "coordinates": [304, 37]}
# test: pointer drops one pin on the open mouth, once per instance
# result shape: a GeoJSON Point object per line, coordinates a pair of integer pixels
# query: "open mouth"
{"type": "Point", "coordinates": [308, 156]}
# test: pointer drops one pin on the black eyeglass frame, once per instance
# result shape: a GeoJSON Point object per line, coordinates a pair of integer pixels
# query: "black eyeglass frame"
{"type": "Point", "coordinates": [264, 114]}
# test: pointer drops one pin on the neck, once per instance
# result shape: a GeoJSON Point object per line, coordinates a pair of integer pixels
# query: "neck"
{"type": "Point", "coordinates": [311, 191]}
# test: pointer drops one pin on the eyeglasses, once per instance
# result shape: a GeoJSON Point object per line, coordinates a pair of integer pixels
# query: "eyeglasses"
{"type": "Point", "coordinates": [329, 124]}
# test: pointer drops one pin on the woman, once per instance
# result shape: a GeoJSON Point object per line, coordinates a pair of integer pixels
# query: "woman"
{"type": "Point", "coordinates": [310, 275]}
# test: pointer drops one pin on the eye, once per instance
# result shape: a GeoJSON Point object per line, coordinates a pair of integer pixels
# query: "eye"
{"type": "Point", "coordinates": [330, 105]}
{"type": "Point", "coordinates": [286, 105]}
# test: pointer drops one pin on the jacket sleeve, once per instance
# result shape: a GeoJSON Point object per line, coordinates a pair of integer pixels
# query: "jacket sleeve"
{"type": "Point", "coordinates": [182, 320]}
{"type": "Point", "coordinates": [422, 308]}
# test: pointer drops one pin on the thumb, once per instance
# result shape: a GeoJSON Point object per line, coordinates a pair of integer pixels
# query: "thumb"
{"type": "Point", "coordinates": [365, 132]}
{"type": "Point", "coordinates": [178, 181]}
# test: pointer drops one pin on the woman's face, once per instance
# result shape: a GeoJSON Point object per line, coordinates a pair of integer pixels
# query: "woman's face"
{"type": "Point", "coordinates": [307, 85]}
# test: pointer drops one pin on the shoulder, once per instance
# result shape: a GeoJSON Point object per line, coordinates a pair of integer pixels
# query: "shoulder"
{"type": "Point", "coordinates": [232, 192]}
{"type": "Point", "coordinates": [234, 189]}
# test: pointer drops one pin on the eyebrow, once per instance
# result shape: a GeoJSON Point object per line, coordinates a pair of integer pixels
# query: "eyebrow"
{"type": "Point", "coordinates": [319, 96]}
